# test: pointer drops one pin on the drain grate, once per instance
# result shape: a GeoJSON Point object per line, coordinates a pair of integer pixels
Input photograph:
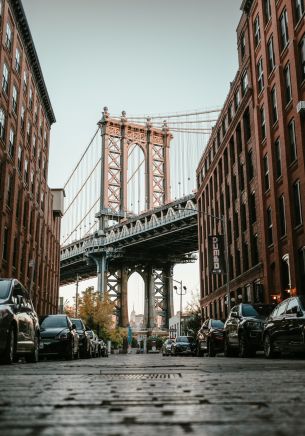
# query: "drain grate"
{"type": "Point", "coordinates": [140, 376]}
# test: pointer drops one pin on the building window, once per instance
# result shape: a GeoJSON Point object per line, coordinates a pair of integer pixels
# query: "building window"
{"type": "Point", "coordinates": [302, 57]}
{"type": "Point", "coordinates": [282, 216]}
{"type": "Point", "coordinates": [278, 161]}
{"type": "Point", "coordinates": [269, 226]}
{"type": "Point", "coordinates": [245, 256]}
{"type": "Point", "coordinates": [263, 123]}
{"type": "Point", "coordinates": [25, 81]}
{"type": "Point", "coordinates": [299, 9]}
{"type": "Point", "coordinates": [26, 171]}
{"type": "Point", "coordinates": [11, 144]}
{"type": "Point", "coordinates": [8, 37]}
{"type": "Point", "coordinates": [14, 99]}
{"type": "Point", "coordinates": [284, 29]}
{"type": "Point", "coordinates": [266, 173]}
{"type": "Point", "coordinates": [32, 181]}
{"type": "Point", "coordinates": [242, 46]}
{"type": "Point", "coordinates": [297, 206]}
{"type": "Point", "coordinates": [243, 216]}
{"type": "Point", "coordinates": [274, 105]}
{"type": "Point", "coordinates": [267, 10]}
{"type": "Point", "coordinates": [5, 244]}
{"type": "Point", "coordinates": [22, 117]}
{"type": "Point", "coordinates": [34, 146]}
{"type": "Point", "coordinates": [5, 79]}
{"type": "Point", "coordinates": [2, 124]}
{"type": "Point", "coordinates": [31, 99]}
{"type": "Point", "coordinates": [28, 132]}
{"type": "Point", "coordinates": [244, 83]}
{"type": "Point", "coordinates": [17, 60]}
{"type": "Point", "coordinates": [239, 141]}
{"type": "Point", "coordinates": [252, 208]}
{"type": "Point", "coordinates": [287, 79]}
{"type": "Point", "coordinates": [19, 158]}
{"type": "Point", "coordinates": [255, 254]}
{"type": "Point", "coordinates": [230, 113]}
{"type": "Point", "coordinates": [247, 124]}
{"type": "Point", "coordinates": [9, 190]}
{"type": "Point", "coordinates": [270, 52]}
{"type": "Point", "coordinates": [260, 75]}
{"type": "Point", "coordinates": [292, 142]}
{"type": "Point", "coordinates": [250, 165]}
{"type": "Point", "coordinates": [236, 100]}
{"type": "Point", "coordinates": [301, 264]}
{"type": "Point", "coordinates": [257, 31]}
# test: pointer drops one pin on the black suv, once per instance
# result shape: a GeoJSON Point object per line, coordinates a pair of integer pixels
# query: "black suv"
{"type": "Point", "coordinates": [244, 328]}
{"type": "Point", "coordinates": [285, 328]}
{"type": "Point", "coordinates": [19, 326]}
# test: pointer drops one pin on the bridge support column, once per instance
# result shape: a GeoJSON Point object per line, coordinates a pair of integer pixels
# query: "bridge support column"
{"type": "Point", "coordinates": [151, 299]}
{"type": "Point", "coordinates": [101, 273]}
{"type": "Point", "coordinates": [124, 300]}
{"type": "Point", "coordinates": [168, 293]}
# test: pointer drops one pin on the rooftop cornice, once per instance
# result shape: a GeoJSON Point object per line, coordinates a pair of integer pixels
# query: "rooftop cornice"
{"type": "Point", "coordinates": [246, 6]}
{"type": "Point", "coordinates": [22, 23]}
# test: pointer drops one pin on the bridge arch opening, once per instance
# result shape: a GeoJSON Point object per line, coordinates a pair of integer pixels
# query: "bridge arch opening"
{"type": "Point", "coordinates": [136, 184]}
{"type": "Point", "coordinates": [135, 300]}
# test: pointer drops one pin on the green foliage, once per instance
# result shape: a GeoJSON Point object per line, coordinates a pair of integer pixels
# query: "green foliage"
{"type": "Point", "coordinates": [154, 340]}
{"type": "Point", "coordinates": [193, 323]}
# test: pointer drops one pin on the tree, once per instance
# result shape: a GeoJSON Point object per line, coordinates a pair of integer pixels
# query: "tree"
{"type": "Point", "coordinates": [193, 310]}
{"type": "Point", "coordinates": [97, 313]}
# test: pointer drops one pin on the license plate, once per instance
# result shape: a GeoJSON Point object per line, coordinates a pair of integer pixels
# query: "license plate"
{"type": "Point", "coordinates": [41, 345]}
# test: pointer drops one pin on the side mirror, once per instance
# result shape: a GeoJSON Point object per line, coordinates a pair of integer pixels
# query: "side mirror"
{"type": "Point", "coordinates": [299, 313]}
{"type": "Point", "coordinates": [234, 315]}
{"type": "Point", "coordinates": [73, 327]}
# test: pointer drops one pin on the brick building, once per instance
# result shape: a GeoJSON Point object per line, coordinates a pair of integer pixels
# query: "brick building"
{"type": "Point", "coordinates": [253, 170]}
{"type": "Point", "coordinates": [30, 213]}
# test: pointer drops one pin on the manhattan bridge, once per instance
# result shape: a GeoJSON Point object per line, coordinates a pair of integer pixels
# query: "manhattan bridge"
{"type": "Point", "coordinates": [130, 207]}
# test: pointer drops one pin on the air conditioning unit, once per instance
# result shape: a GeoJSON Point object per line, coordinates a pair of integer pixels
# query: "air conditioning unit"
{"type": "Point", "coordinates": [301, 107]}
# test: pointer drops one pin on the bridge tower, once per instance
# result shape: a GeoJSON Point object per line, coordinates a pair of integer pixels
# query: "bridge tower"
{"type": "Point", "coordinates": [118, 136]}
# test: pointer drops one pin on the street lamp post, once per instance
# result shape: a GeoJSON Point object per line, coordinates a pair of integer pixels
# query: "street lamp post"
{"type": "Point", "coordinates": [222, 219]}
{"type": "Point", "coordinates": [182, 292]}
{"type": "Point", "coordinates": [78, 277]}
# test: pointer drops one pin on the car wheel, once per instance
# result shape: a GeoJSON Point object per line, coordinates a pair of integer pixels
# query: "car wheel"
{"type": "Point", "coordinates": [211, 351]}
{"type": "Point", "coordinates": [34, 356]}
{"type": "Point", "coordinates": [268, 348]}
{"type": "Point", "coordinates": [243, 347]}
{"type": "Point", "coordinates": [9, 355]}
{"type": "Point", "coordinates": [228, 352]}
{"type": "Point", "coordinates": [70, 354]}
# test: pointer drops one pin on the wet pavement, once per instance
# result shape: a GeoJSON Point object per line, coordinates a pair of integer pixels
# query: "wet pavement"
{"type": "Point", "coordinates": [153, 395]}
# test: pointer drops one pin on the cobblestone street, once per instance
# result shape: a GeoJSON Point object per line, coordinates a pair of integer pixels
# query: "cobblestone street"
{"type": "Point", "coordinates": [151, 394]}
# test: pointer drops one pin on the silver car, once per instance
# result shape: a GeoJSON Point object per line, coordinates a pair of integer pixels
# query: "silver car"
{"type": "Point", "coordinates": [166, 347]}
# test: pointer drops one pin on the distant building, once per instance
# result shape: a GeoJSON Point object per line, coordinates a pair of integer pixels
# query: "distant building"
{"type": "Point", "coordinates": [252, 172]}
{"type": "Point", "coordinates": [136, 321]}
{"type": "Point", "coordinates": [174, 325]}
{"type": "Point", "coordinates": [30, 212]}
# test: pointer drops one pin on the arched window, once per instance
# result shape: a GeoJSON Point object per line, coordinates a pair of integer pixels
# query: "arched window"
{"type": "Point", "coordinates": [2, 123]}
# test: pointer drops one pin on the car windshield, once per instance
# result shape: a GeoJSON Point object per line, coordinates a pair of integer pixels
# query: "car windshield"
{"type": "Point", "coordinates": [302, 301]}
{"type": "Point", "coordinates": [53, 322]}
{"type": "Point", "coordinates": [78, 323]}
{"type": "Point", "coordinates": [258, 310]}
{"type": "Point", "coordinates": [217, 324]}
{"type": "Point", "coordinates": [5, 286]}
{"type": "Point", "coordinates": [182, 339]}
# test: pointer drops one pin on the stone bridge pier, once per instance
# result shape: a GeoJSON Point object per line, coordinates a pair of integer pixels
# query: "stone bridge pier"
{"type": "Point", "coordinates": [158, 292]}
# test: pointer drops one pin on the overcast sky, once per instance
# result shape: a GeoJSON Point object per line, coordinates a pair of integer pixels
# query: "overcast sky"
{"type": "Point", "coordinates": [142, 56]}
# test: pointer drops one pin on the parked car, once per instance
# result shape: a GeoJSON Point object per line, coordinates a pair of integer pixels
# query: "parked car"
{"type": "Point", "coordinates": [58, 337]}
{"type": "Point", "coordinates": [210, 338]}
{"type": "Point", "coordinates": [243, 330]}
{"type": "Point", "coordinates": [183, 345]}
{"type": "Point", "coordinates": [167, 347]}
{"type": "Point", "coordinates": [84, 338]}
{"type": "Point", "coordinates": [103, 348]}
{"type": "Point", "coordinates": [284, 330]}
{"type": "Point", "coordinates": [19, 326]}
{"type": "Point", "coordinates": [94, 340]}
